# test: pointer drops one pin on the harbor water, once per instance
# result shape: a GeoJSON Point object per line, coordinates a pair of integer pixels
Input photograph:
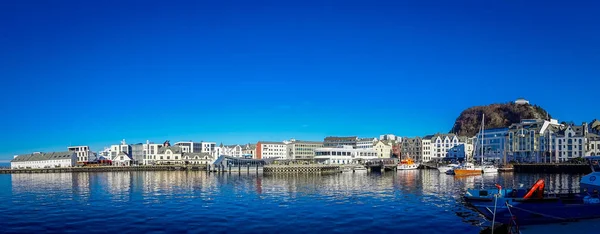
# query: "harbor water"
{"type": "Point", "coordinates": [412, 201]}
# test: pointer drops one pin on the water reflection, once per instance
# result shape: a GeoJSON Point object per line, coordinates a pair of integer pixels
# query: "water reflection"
{"type": "Point", "coordinates": [348, 202]}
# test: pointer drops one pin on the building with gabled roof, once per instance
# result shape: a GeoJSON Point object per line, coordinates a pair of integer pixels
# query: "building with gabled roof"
{"type": "Point", "coordinates": [44, 160]}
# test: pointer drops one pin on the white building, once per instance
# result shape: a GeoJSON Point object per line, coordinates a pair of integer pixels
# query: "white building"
{"type": "Point", "coordinates": [122, 159]}
{"type": "Point", "coordinates": [440, 145]}
{"type": "Point", "coordinates": [267, 149]}
{"type": "Point", "coordinates": [44, 160]}
{"type": "Point", "coordinates": [383, 149]}
{"type": "Point", "coordinates": [208, 147]}
{"type": "Point", "coordinates": [343, 155]}
{"type": "Point", "coordinates": [232, 150]}
{"type": "Point", "coordinates": [390, 137]}
{"type": "Point", "coordinates": [116, 149]}
{"type": "Point", "coordinates": [151, 152]}
{"type": "Point", "coordinates": [425, 154]}
{"type": "Point", "coordinates": [593, 145]}
{"type": "Point", "coordinates": [521, 101]}
{"type": "Point", "coordinates": [366, 143]}
{"type": "Point", "coordinates": [83, 153]}
{"type": "Point", "coordinates": [570, 143]}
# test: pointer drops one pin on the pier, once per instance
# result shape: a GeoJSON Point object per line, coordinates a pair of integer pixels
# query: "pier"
{"type": "Point", "coordinates": [381, 165]}
{"type": "Point", "coordinates": [300, 169]}
{"type": "Point", "coordinates": [199, 167]}
{"type": "Point", "coordinates": [553, 168]}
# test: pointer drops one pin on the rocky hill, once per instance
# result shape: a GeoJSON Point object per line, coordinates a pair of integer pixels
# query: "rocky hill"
{"type": "Point", "coordinates": [496, 116]}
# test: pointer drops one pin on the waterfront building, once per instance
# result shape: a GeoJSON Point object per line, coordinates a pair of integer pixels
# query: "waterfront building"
{"type": "Point", "coordinates": [594, 127]}
{"type": "Point", "coordinates": [333, 141]}
{"type": "Point", "coordinates": [383, 149]}
{"type": "Point", "coordinates": [249, 151]}
{"type": "Point", "coordinates": [232, 150]}
{"type": "Point", "coordinates": [83, 153]}
{"type": "Point", "coordinates": [150, 152]}
{"type": "Point", "coordinates": [531, 140]}
{"type": "Point", "coordinates": [116, 149]}
{"type": "Point", "coordinates": [122, 159]}
{"type": "Point", "coordinates": [494, 140]}
{"type": "Point", "coordinates": [366, 143]}
{"type": "Point", "coordinates": [190, 146]}
{"type": "Point", "coordinates": [425, 154]}
{"type": "Point", "coordinates": [570, 142]}
{"type": "Point", "coordinates": [196, 158]}
{"type": "Point", "coordinates": [343, 155]}
{"type": "Point", "coordinates": [208, 147]}
{"type": "Point", "coordinates": [137, 154]}
{"type": "Point", "coordinates": [169, 155]}
{"type": "Point", "coordinates": [438, 146]}
{"type": "Point", "coordinates": [413, 148]}
{"type": "Point", "coordinates": [44, 160]}
{"type": "Point", "coordinates": [268, 149]}
{"type": "Point", "coordinates": [302, 150]}
{"type": "Point", "coordinates": [593, 145]}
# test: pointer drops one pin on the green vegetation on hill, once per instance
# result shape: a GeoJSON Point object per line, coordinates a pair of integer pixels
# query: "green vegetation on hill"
{"type": "Point", "coordinates": [496, 116]}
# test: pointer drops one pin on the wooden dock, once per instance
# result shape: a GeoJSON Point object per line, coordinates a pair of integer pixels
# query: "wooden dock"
{"type": "Point", "coordinates": [200, 167]}
{"type": "Point", "coordinates": [301, 169]}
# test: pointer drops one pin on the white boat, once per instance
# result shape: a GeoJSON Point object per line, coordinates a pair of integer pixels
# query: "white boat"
{"type": "Point", "coordinates": [360, 168]}
{"type": "Point", "coordinates": [445, 168]}
{"type": "Point", "coordinates": [407, 164]}
{"type": "Point", "coordinates": [490, 169]}
{"type": "Point", "coordinates": [467, 169]}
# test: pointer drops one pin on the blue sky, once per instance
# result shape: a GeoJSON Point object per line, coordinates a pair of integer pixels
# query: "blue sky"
{"type": "Point", "coordinates": [95, 72]}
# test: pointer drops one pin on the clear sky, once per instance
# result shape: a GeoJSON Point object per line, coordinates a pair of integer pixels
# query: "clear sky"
{"type": "Point", "coordinates": [95, 72]}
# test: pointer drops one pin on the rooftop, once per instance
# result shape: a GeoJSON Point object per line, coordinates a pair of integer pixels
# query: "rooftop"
{"type": "Point", "coordinates": [43, 156]}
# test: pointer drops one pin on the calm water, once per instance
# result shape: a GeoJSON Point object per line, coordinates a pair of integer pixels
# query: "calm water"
{"type": "Point", "coordinates": [420, 201]}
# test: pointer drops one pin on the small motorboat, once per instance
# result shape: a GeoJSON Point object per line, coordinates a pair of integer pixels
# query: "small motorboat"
{"type": "Point", "coordinates": [468, 169]}
{"type": "Point", "coordinates": [444, 169]}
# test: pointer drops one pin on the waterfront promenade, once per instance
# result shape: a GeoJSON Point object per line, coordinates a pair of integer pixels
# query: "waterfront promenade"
{"type": "Point", "coordinates": [200, 167]}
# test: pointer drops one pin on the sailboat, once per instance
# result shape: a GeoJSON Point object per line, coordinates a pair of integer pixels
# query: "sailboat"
{"type": "Point", "coordinates": [487, 169]}
{"type": "Point", "coordinates": [469, 168]}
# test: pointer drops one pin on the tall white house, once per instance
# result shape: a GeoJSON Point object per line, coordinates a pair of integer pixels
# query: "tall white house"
{"type": "Point", "coordinates": [343, 154]}
{"type": "Point", "coordinates": [83, 153]}
{"type": "Point", "coordinates": [269, 149]}
{"type": "Point", "coordinates": [44, 160]}
{"type": "Point", "coordinates": [366, 143]}
{"type": "Point", "coordinates": [593, 145]}
{"type": "Point", "coordinates": [439, 145]}
{"type": "Point", "coordinates": [571, 143]}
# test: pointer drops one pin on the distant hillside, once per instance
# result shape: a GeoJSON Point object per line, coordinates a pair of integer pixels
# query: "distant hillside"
{"type": "Point", "coordinates": [496, 116]}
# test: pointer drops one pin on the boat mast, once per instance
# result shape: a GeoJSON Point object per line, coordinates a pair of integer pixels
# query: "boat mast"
{"type": "Point", "coordinates": [482, 124]}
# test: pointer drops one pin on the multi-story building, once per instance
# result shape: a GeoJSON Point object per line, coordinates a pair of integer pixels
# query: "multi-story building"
{"type": "Point", "coordinates": [593, 145]}
{"type": "Point", "coordinates": [190, 146]}
{"type": "Point", "coordinates": [493, 144]}
{"type": "Point", "coordinates": [426, 148]}
{"type": "Point", "coordinates": [412, 147]}
{"type": "Point", "coordinates": [332, 141]}
{"type": "Point", "coordinates": [83, 153]}
{"type": "Point", "coordinates": [169, 155]}
{"type": "Point", "coordinates": [151, 152]}
{"type": "Point", "coordinates": [390, 137]}
{"type": "Point", "coordinates": [137, 153]}
{"type": "Point", "coordinates": [116, 149]}
{"type": "Point", "coordinates": [249, 151]}
{"type": "Point", "coordinates": [343, 155]}
{"type": "Point", "coordinates": [44, 160]}
{"type": "Point", "coordinates": [366, 143]}
{"type": "Point", "coordinates": [594, 127]}
{"type": "Point", "coordinates": [396, 149]}
{"type": "Point", "coordinates": [208, 147]}
{"type": "Point", "coordinates": [571, 142]}
{"type": "Point", "coordinates": [531, 140]}
{"type": "Point", "coordinates": [383, 149]}
{"type": "Point", "coordinates": [302, 150]}
{"type": "Point", "coordinates": [267, 149]}
{"type": "Point", "coordinates": [441, 144]}
{"type": "Point", "coordinates": [233, 151]}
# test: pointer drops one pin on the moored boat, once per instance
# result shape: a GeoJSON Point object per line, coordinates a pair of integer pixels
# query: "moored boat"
{"type": "Point", "coordinates": [445, 168]}
{"type": "Point", "coordinates": [535, 206]}
{"type": "Point", "coordinates": [467, 169]}
{"type": "Point", "coordinates": [407, 164]}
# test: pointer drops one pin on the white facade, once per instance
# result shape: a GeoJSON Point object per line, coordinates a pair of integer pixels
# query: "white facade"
{"type": "Point", "coordinates": [83, 153]}
{"type": "Point", "coordinates": [390, 137]}
{"type": "Point", "coordinates": [570, 145]}
{"type": "Point", "coordinates": [440, 145]}
{"type": "Point", "coordinates": [593, 145]}
{"type": "Point", "coordinates": [521, 101]}
{"type": "Point", "coordinates": [277, 150]}
{"type": "Point", "coordinates": [366, 143]}
{"type": "Point", "coordinates": [151, 152]}
{"type": "Point", "coordinates": [232, 150]}
{"type": "Point", "coordinates": [425, 150]}
{"type": "Point", "coordinates": [302, 150]}
{"type": "Point", "coordinates": [44, 160]}
{"type": "Point", "coordinates": [208, 147]}
{"type": "Point", "coordinates": [122, 159]}
{"type": "Point", "coordinates": [343, 155]}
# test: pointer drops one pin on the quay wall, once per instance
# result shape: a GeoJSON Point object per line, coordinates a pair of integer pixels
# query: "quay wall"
{"type": "Point", "coordinates": [300, 169]}
{"type": "Point", "coordinates": [106, 169]}
{"type": "Point", "coordinates": [553, 168]}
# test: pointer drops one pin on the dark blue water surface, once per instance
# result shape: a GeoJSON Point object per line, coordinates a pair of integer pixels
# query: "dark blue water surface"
{"type": "Point", "coordinates": [419, 201]}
